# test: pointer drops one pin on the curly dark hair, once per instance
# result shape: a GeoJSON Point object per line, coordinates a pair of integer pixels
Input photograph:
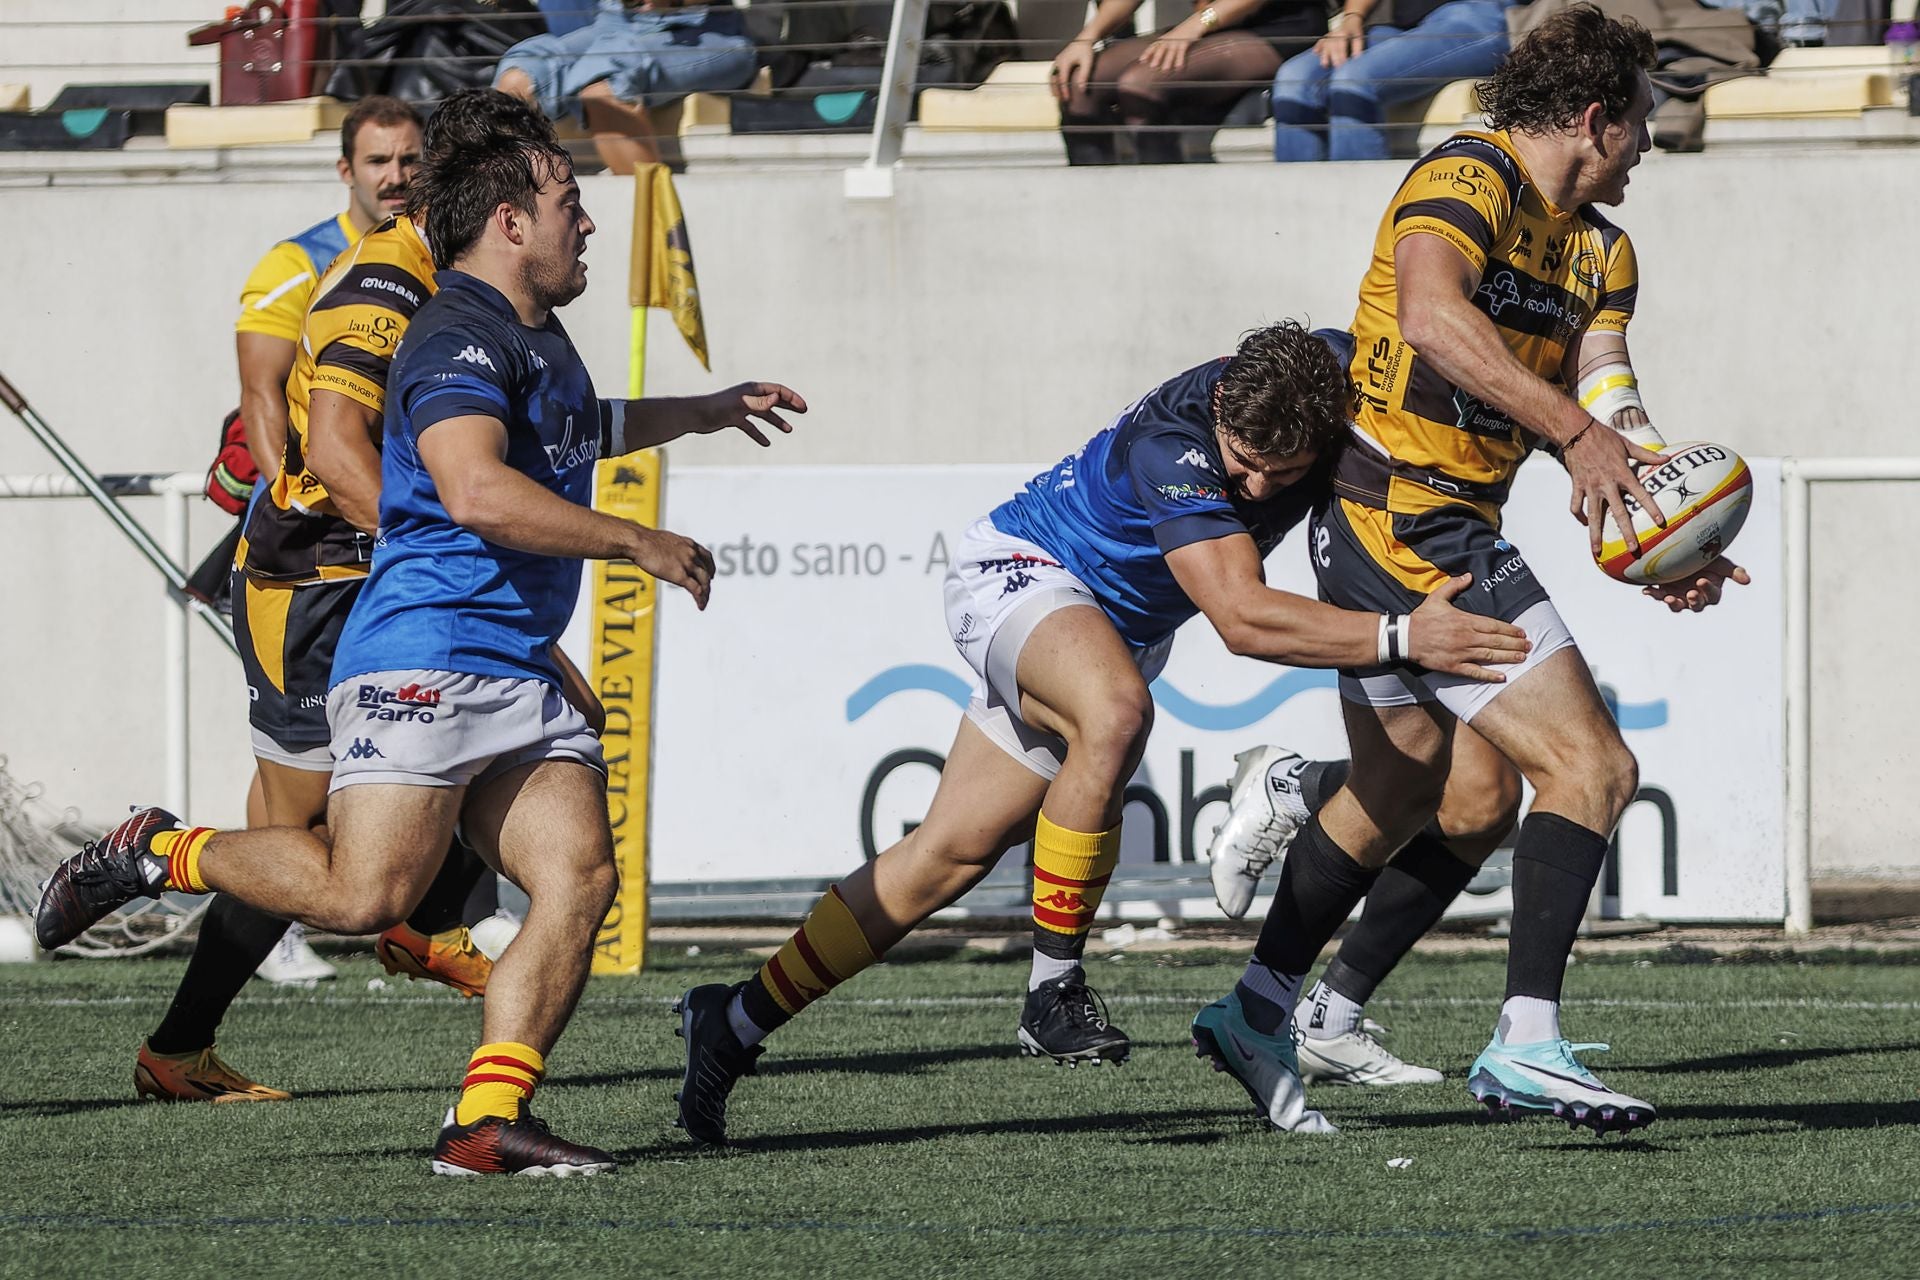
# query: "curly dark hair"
{"type": "Point", "coordinates": [1285, 392]}
{"type": "Point", "coordinates": [463, 183]}
{"type": "Point", "coordinates": [468, 119]}
{"type": "Point", "coordinates": [1577, 57]}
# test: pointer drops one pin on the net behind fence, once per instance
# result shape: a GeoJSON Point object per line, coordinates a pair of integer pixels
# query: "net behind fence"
{"type": "Point", "coordinates": [34, 838]}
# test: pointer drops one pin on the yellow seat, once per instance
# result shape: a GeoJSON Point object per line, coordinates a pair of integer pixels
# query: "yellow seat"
{"type": "Point", "coordinates": [1800, 92]}
{"type": "Point", "coordinates": [1014, 97]}
{"type": "Point", "coordinates": [240, 126]}
{"type": "Point", "coordinates": [14, 97]}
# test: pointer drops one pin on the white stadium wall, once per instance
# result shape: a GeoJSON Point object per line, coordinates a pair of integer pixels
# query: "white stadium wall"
{"type": "Point", "coordinates": [981, 317]}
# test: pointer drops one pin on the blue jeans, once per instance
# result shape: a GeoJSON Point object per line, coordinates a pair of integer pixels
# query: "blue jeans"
{"type": "Point", "coordinates": [1336, 114]}
{"type": "Point", "coordinates": [645, 57]}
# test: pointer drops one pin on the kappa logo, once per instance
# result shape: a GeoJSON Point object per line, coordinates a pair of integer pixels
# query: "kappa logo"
{"type": "Point", "coordinates": [1194, 458]}
{"type": "Point", "coordinates": [474, 355]}
{"type": "Point", "coordinates": [1018, 580]}
{"type": "Point", "coordinates": [363, 749]}
{"type": "Point", "coordinates": [1061, 900]}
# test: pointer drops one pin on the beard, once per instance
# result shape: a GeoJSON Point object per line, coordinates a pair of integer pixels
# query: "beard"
{"type": "Point", "coordinates": [551, 283]}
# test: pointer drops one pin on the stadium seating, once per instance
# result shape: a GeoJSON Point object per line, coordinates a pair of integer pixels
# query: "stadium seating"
{"type": "Point", "coordinates": [1810, 83]}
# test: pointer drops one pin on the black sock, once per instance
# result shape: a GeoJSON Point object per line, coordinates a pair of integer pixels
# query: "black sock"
{"type": "Point", "coordinates": [1555, 864]}
{"type": "Point", "coordinates": [446, 898]}
{"type": "Point", "coordinates": [234, 939]}
{"type": "Point", "coordinates": [1319, 779]}
{"type": "Point", "coordinates": [1319, 887]}
{"type": "Point", "coordinates": [1407, 900]}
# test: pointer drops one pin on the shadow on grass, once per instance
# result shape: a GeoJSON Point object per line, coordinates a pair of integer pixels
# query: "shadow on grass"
{"type": "Point", "coordinates": [1138, 1126]}
{"type": "Point", "coordinates": [1809, 1115]}
{"type": "Point", "coordinates": [1804, 1115]}
{"type": "Point", "coordinates": [1753, 1059]}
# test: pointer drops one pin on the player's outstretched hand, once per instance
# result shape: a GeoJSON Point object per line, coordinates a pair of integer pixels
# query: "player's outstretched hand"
{"type": "Point", "coordinates": [1443, 638]}
{"type": "Point", "coordinates": [740, 406]}
{"type": "Point", "coordinates": [672, 558]}
{"type": "Point", "coordinates": [1702, 589]}
{"type": "Point", "coordinates": [1600, 463]}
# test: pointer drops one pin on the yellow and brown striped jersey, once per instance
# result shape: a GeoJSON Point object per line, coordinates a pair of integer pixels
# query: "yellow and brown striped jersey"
{"type": "Point", "coordinates": [360, 309]}
{"type": "Point", "coordinates": [1546, 276]}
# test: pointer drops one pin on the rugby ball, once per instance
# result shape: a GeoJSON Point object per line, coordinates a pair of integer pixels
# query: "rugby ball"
{"type": "Point", "coordinates": [1704, 490]}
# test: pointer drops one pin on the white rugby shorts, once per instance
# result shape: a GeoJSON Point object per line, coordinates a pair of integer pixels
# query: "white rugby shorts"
{"type": "Point", "coordinates": [448, 729]}
{"type": "Point", "coordinates": [999, 588]}
{"type": "Point", "coordinates": [1403, 686]}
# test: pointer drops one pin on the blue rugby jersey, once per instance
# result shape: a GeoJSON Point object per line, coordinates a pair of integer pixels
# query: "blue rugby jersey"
{"type": "Point", "coordinates": [1152, 482]}
{"type": "Point", "coordinates": [441, 597]}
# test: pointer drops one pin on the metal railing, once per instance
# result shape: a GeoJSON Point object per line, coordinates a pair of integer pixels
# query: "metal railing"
{"type": "Point", "coordinates": [175, 490]}
{"type": "Point", "coordinates": [1798, 476]}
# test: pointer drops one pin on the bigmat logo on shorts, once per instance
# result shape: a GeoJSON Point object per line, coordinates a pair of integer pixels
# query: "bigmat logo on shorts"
{"type": "Point", "coordinates": [408, 702]}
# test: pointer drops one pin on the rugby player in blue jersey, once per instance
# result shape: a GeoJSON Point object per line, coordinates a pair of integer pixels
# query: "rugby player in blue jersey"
{"type": "Point", "coordinates": [446, 704]}
{"type": "Point", "coordinates": [1064, 601]}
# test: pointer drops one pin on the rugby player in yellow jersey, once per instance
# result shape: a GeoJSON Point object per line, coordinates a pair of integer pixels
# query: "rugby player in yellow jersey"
{"type": "Point", "coordinates": [379, 150]}
{"type": "Point", "coordinates": [308, 539]}
{"type": "Point", "coordinates": [1492, 321]}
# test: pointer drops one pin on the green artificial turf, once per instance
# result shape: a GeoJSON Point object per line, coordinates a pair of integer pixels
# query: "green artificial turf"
{"type": "Point", "coordinates": [894, 1131]}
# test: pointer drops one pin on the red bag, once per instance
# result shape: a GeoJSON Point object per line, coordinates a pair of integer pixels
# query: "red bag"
{"type": "Point", "coordinates": [231, 478]}
{"type": "Point", "coordinates": [268, 51]}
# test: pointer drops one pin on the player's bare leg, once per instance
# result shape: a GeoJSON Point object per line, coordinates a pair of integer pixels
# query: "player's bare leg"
{"type": "Point", "coordinates": [985, 805]}
{"type": "Point", "coordinates": [376, 868]}
{"type": "Point", "coordinates": [1080, 682]}
{"type": "Point", "coordinates": [1554, 727]}
{"type": "Point", "coordinates": [545, 827]}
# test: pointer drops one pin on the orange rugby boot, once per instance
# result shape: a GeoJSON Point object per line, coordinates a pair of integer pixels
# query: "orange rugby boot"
{"type": "Point", "coordinates": [449, 958]}
{"type": "Point", "coordinates": [195, 1076]}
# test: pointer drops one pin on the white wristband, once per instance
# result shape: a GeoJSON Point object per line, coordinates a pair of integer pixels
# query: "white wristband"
{"type": "Point", "coordinates": [1608, 390]}
{"type": "Point", "coordinates": [1647, 436]}
{"type": "Point", "coordinates": [613, 440]}
{"type": "Point", "coordinates": [1395, 640]}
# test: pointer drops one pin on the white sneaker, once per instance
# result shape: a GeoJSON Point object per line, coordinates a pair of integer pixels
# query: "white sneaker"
{"type": "Point", "coordinates": [1265, 812]}
{"type": "Point", "coordinates": [292, 962]}
{"type": "Point", "coordinates": [1355, 1058]}
{"type": "Point", "coordinates": [492, 934]}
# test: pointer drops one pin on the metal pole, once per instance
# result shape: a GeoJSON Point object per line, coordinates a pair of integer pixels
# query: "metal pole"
{"type": "Point", "coordinates": [875, 178]}
{"type": "Point", "coordinates": [136, 534]}
{"type": "Point", "coordinates": [1796, 503]}
{"type": "Point", "coordinates": [176, 658]}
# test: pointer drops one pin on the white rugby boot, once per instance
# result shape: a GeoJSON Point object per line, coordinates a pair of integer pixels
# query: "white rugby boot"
{"type": "Point", "coordinates": [293, 962]}
{"type": "Point", "coordinates": [1546, 1079]}
{"type": "Point", "coordinates": [1355, 1057]}
{"type": "Point", "coordinates": [1266, 810]}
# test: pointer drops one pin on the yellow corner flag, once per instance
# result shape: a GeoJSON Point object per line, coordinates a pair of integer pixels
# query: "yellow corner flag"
{"type": "Point", "coordinates": [662, 270]}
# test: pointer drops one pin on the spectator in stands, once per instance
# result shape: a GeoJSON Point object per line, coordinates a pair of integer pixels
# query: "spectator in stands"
{"type": "Point", "coordinates": [1189, 76]}
{"type": "Point", "coordinates": [633, 56]}
{"type": "Point", "coordinates": [1330, 102]}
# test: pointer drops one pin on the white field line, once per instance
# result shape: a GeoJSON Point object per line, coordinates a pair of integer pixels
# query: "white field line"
{"type": "Point", "coordinates": [965, 1002]}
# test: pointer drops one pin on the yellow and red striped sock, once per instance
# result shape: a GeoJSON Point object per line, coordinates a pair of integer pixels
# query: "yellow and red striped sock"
{"type": "Point", "coordinates": [827, 950]}
{"type": "Point", "coordinates": [1070, 874]}
{"type": "Point", "coordinates": [181, 851]}
{"type": "Point", "coordinates": [499, 1078]}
